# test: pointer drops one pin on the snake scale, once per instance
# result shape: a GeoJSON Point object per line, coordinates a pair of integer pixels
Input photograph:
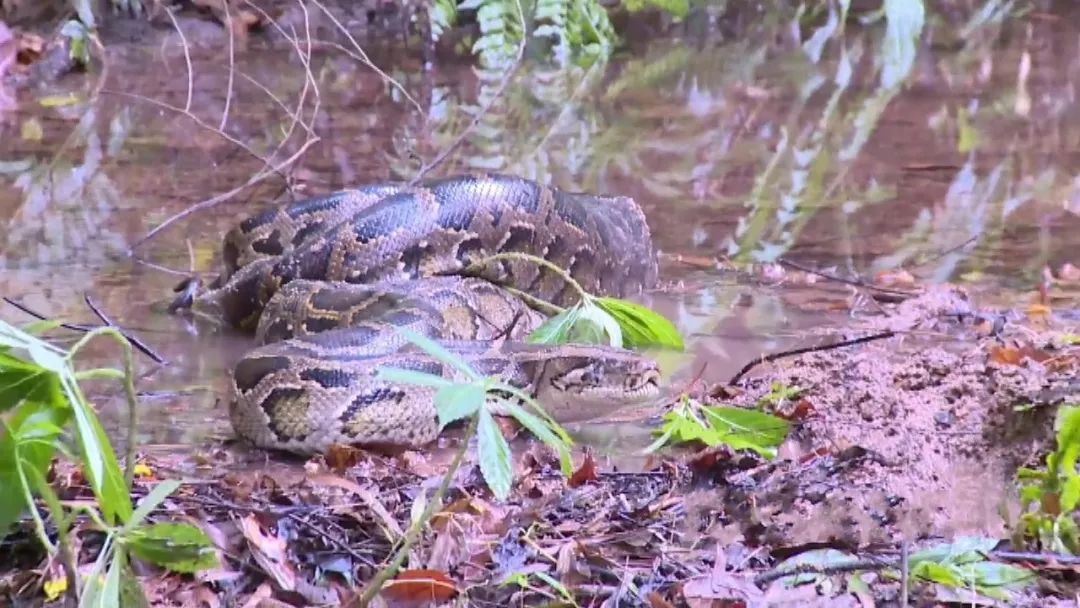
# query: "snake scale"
{"type": "Point", "coordinates": [324, 282]}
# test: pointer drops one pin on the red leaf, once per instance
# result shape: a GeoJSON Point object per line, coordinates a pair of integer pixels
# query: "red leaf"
{"type": "Point", "coordinates": [420, 586]}
{"type": "Point", "coordinates": [586, 472]}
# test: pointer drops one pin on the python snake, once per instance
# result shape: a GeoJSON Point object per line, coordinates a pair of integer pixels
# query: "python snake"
{"type": "Point", "coordinates": [324, 283]}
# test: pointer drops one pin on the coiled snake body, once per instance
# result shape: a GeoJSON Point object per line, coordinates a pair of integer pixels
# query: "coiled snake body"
{"type": "Point", "coordinates": [324, 282]}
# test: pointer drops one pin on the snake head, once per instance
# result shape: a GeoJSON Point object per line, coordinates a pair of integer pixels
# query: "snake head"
{"type": "Point", "coordinates": [576, 383]}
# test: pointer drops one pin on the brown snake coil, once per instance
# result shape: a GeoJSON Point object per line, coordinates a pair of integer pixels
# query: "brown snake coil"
{"type": "Point", "coordinates": [325, 282]}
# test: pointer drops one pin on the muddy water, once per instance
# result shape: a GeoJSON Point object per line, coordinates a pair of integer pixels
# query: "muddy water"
{"type": "Point", "coordinates": [746, 148]}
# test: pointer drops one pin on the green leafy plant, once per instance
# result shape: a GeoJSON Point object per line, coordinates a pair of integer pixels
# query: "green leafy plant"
{"type": "Point", "coordinates": [738, 428]}
{"type": "Point", "coordinates": [597, 320]}
{"type": "Point", "coordinates": [1050, 496]}
{"type": "Point", "coordinates": [963, 564]}
{"type": "Point", "coordinates": [79, 34]}
{"type": "Point", "coordinates": [41, 398]}
{"type": "Point", "coordinates": [778, 394]}
{"type": "Point", "coordinates": [470, 399]}
{"type": "Point", "coordinates": [578, 29]}
{"type": "Point", "coordinates": [522, 580]}
{"type": "Point", "coordinates": [676, 8]}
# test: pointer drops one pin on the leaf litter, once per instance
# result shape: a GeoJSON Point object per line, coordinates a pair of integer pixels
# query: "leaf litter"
{"type": "Point", "coordinates": [892, 446]}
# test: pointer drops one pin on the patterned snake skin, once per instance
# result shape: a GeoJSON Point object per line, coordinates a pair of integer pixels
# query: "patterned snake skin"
{"type": "Point", "coordinates": [324, 282]}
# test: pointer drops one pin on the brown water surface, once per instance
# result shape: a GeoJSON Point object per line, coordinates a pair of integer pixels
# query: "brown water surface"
{"type": "Point", "coordinates": [752, 145]}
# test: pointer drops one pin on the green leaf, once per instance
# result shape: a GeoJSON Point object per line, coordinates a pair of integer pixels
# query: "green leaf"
{"type": "Point", "coordinates": [495, 463]}
{"type": "Point", "coordinates": [36, 328]}
{"type": "Point", "coordinates": [458, 401]}
{"type": "Point", "coordinates": [35, 455]}
{"type": "Point", "coordinates": [641, 327]}
{"type": "Point", "coordinates": [819, 558]}
{"type": "Point", "coordinates": [438, 351]}
{"type": "Point", "coordinates": [544, 433]}
{"type": "Point", "coordinates": [179, 547]}
{"type": "Point", "coordinates": [150, 502]}
{"type": "Point", "coordinates": [408, 376]}
{"type": "Point", "coordinates": [101, 467]}
{"type": "Point", "coordinates": [104, 592]}
{"type": "Point", "coordinates": [605, 322]}
{"type": "Point", "coordinates": [745, 428]}
{"type": "Point", "coordinates": [993, 574]}
{"type": "Point", "coordinates": [963, 549]}
{"type": "Point", "coordinates": [556, 329]}
{"type": "Point", "coordinates": [677, 8]}
{"type": "Point", "coordinates": [21, 381]}
{"type": "Point", "coordinates": [99, 374]}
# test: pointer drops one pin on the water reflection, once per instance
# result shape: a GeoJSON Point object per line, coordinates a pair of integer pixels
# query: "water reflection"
{"type": "Point", "coordinates": [809, 134]}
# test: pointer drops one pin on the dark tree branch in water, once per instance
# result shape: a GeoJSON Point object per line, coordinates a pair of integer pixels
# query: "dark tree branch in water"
{"type": "Point", "coordinates": [852, 282]}
{"type": "Point", "coordinates": [136, 342]}
{"type": "Point", "coordinates": [809, 349]}
{"type": "Point", "coordinates": [503, 84]}
{"type": "Point", "coordinates": [139, 344]}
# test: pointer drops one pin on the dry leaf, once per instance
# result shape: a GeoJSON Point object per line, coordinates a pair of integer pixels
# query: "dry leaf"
{"type": "Point", "coordinates": [366, 495]}
{"type": "Point", "coordinates": [1069, 272]}
{"type": "Point", "coordinates": [657, 601]}
{"type": "Point", "coordinates": [343, 457]}
{"type": "Point", "coordinates": [264, 592]}
{"type": "Point", "coordinates": [420, 586]}
{"type": "Point", "coordinates": [269, 552]}
{"type": "Point", "coordinates": [894, 279]}
{"type": "Point", "coordinates": [586, 472]}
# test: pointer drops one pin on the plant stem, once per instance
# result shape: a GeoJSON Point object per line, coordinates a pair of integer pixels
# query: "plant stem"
{"type": "Point", "coordinates": [129, 392]}
{"type": "Point", "coordinates": [515, 255]}
{"type": "Point", "coordinates": [413, 533]}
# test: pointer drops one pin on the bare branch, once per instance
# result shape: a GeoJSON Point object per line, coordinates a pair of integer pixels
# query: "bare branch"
{"type": "Point", "coordinates": [503, 84]}
{"type": "Point", "coordinates": [214, 200]}
{"type": "Point", "coordinates": [232, 66]}
{"type": "Point", "coordinates": [367, 60]}
{"type": "Point", "coordinates": [187, 59]}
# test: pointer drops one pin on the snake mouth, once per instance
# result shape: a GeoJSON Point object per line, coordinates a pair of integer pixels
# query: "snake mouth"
{"type": "Point", "coordinates": [646, 383]}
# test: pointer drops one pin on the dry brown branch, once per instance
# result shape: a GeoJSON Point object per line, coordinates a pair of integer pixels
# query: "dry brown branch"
{"type": "Point", "coordinates": [363, 57]}
{"type": "Point", "coordinates": [809, 349]}
{"type": "Point", "coordinates": [503, 84]}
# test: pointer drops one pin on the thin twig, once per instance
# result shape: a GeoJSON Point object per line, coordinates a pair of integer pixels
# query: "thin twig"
{"type": "Point", "coordinates": [503, 84]}
{"type": "Point", "coordinates": [853, 566]}
{"type": "Point", "coordinates": [187, 59]}
{"type": "Point", "coordinates": [232, 66]}
{"type": "Point", "coordinates": [1046, 559]}
{"type": "Point", "coordinates": [214, 200]}
{"type": "Point", "coordinates": [525, 257]}
{"type": "Point", "coordinates": [198, 121]}
{"type": "Point", "coordinates": [904, 572]}
{"type": "Point", "coordinates": [40, 317]}
{"type": "Point", "coordinates": [139, 344]}
{"type": "Point", "coordinates": [309, 80]}
{"type": "Point", "coordinates": [809, 349]}
{"type": "Point", "coordinates": [364, 57]}
{"type": "Point", "coordinates": [413, 533]}
{"type": "Point", "coordinates": [331, 539]}
{"type": "Point", "coordinates": [852, 282]}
